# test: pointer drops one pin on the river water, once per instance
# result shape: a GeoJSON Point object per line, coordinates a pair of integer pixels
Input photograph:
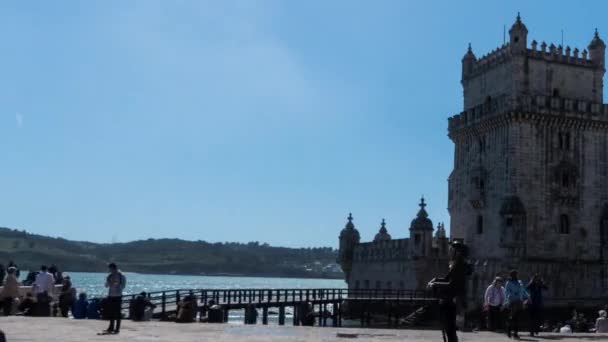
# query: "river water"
{"type": "Point", "coordinates": [93, 283]}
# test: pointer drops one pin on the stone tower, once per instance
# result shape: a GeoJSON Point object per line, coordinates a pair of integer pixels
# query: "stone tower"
{"type": "Point", "coordinates": [349, 238]}
{"type": "Point", "coordinates": [529, 188]}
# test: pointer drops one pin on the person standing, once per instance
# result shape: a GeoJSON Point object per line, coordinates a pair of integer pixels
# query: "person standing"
{"type": "Point", "coordinates": [515, 294]}
{"type": "Point", "coordinates": [44, 282]}
{"type": "Point", "coordinates": [67, 297]}
{"type": "Point", "coordinates": [535, 303]}
{"type": "Point", "coordinates": [10, 291]}
{"type": "Point", "coordinates": [2, 274]}
{"type": "Point", "coordinates": [11, 263]}
{"type": "Point", "coordinates": [601, 324]}
{"type": "Point", "coordinates": [115, 282]}
{"type": "Point", "coordinates": [452, 289]}
{"type": "Point", "coordinates": [493, 300]}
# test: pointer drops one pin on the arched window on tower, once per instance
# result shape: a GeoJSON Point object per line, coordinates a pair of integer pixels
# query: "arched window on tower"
{"type": "Point", "coordinates": [487, 104]}
{"type": "Point", "coordinates": [479, 224]}
{"type": "Point", "coordinates": [564, 224]}
{"type": "Point", "coordinates": [564, 140]}
{"type": "Point", "coordinates": [565, 180]}
{"type": "Point", "coordinates": [555, 92]}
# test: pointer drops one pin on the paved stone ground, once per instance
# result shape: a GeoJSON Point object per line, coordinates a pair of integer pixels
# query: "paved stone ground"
{"type": "Point", "coordinates": [67, 330]}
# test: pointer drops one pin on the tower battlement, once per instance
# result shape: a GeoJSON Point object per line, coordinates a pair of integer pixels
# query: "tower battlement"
{"type": "Point", "coordinates": [559, 108]}
{"type": "Point", "coordinates": [516, 70]}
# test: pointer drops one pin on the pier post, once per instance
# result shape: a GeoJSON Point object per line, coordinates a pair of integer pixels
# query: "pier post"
{"type": "Point", "coordinates": [265, 315]}
{"type": "Point", "coordinates": [281, 315]}
{"type": "Point", "coordinates": [226, 310]}
{"type": "Point", "coordinates": [339, 314]}
{"type": "Point", "coordinates": [334, 314]}
{"type": "Point", "coordinates": [323, 314]}
{"type": "Point", "coordinates": [296, 318]}
{"type": "Point", "coordinates": [163, 305]}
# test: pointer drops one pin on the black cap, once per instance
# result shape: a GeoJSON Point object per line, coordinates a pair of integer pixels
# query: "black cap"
{"type": "Point", "coordinates": [112, 265]}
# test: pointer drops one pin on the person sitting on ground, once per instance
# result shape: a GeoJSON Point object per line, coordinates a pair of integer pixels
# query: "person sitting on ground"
{"type": "Point", "coordinates": [43, 305]}
{"type": "Point", "coordinates": [67, 297]}
{"type": "Point", "coordinates": [187, 309]}
{"type": "Point", "coordinates": [251, 314]}
{"type": "Point", "coordinates": [9, 292]}
{"type": "Point", "coordinates": [94, 309]}
{"type": "Point", "coordinates": [28, 306]}
{"type": "Point", "coordinates": [80, 307]}
{"type": "Point", "coordinates": [601, 324]}
{"type": "Point", "coordinates": [307, 314]}
{"type": "Point", "coordinates": [141, 308]}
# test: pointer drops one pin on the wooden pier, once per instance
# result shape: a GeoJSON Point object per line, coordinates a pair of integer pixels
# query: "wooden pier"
{"type": "Point", "coordinates": [326, 303]}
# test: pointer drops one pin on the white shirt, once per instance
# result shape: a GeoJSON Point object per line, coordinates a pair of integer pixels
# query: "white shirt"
{"type": "Point", "coordinates": [565, 330]}
{"type": "Point", "coordinates": [44, 282]}
{"type": "Point", "coordinates": [494, 295]}
{"type": "Point", "coordinates": [601, 325]}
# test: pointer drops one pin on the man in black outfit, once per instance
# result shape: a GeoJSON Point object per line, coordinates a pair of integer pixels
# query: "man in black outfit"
{"type": "Point", "coordinates": [452, 289]}
{"type": "Point", "coordinates": [115, 282]}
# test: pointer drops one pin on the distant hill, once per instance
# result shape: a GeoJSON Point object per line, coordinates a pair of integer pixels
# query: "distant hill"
{"type": "Point", "coordinates": [168, 256]}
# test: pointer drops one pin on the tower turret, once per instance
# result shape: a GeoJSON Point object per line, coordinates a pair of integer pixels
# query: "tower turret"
{"type": "Point", "coordinates": [518, 36]}
{"type": "Point", "coordinates": [349, 238]}
{"type": "Point", "coordinates": [421, 232]}
{"type": "Point", "coordinates": [383, 234]}
{"type": "Point", "coordinates": [468, 61]}
{"type": "Point", "coordinates": [597, 50]}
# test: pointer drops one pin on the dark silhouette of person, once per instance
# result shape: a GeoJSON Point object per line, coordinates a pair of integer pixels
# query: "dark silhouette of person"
{"type": "Point", "coordinates": [115, 282]}
{"type": "Point", "coordinates": [139, 305]}
{"type": "Point", "coordinates": [28, 305]}
{"type": "Point", "coordinates": [67, 297]}
{"type": "Point", "coordinates": [2, 274]}
{"type": "Point", "coordinates": [452, 289]}
{"type": "Point", "coordinates": [187, 309]}
{"type": "Point", "coordinates": [81, 307]}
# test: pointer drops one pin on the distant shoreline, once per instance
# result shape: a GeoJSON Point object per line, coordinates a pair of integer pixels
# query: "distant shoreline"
{"type": "Point", "coordinates": [234, 275]}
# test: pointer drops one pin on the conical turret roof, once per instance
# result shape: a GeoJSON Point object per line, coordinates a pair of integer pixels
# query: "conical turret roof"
{"type": "Point", "coordinates": [383, 234]}
{"type": "Point", "coordinates": [422, 221]}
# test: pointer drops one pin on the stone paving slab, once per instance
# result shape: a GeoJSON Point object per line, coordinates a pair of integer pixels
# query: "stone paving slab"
{"type": "Point", "coordinates": [19, 329]}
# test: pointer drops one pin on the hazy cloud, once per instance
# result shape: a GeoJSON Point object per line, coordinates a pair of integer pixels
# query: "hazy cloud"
{"type": "Point", "coordinates": [19, 119]}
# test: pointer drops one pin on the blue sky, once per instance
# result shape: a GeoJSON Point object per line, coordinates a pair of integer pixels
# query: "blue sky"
{"type": "Point", "coordinates": [240, 120]}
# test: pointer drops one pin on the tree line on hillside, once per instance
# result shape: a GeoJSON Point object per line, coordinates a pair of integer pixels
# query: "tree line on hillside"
{"type": "Point", "coordinates": [168, 256]}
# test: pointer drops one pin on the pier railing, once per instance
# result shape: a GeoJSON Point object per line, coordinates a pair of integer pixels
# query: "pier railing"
{"type": "Point", "coordinates": [167, 301]}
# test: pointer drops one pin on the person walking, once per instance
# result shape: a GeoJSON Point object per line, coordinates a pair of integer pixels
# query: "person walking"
{"type": "Point", "coordinates": [494, 298]}
{"type": "Point", "coordinates": [115, 282]}
{"type": "Point", "coordinates": [535, 303]}
{"type": "Point", "coordinates": [515, 295]}
{"type": "Point", "coordinates": [452, 289]}
{"type": "Point", "coordinates": [10, 291]}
